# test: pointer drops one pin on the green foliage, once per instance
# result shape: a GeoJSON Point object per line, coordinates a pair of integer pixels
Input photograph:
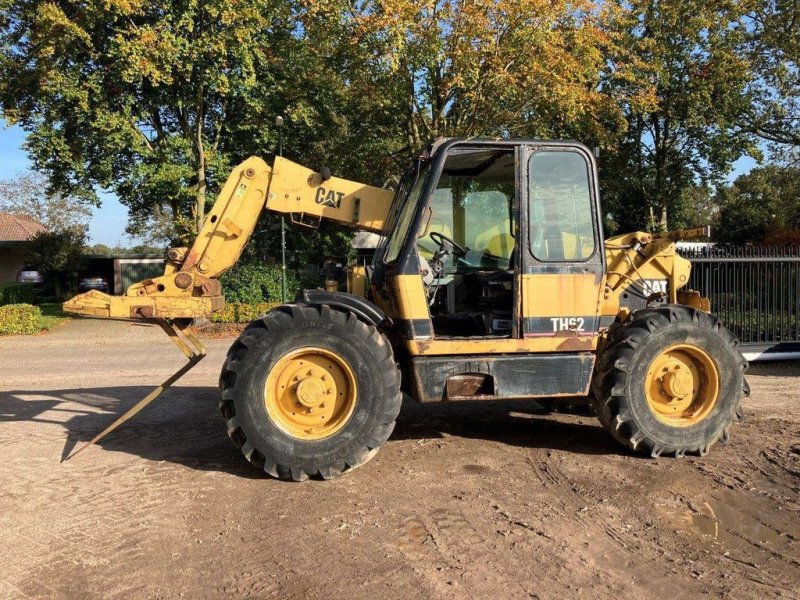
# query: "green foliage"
{"type": "Point", "coordinates": [156, 101]}
{"type": "Point", "coordinates": [105, 250]}
{"type": "Point", "coordinates": [255, 283]}
{"type": "Point", "coordinates": [764, 201]}
{"type": "Point", "coordinates": [22, 319]}
{"type": "Point", "coordinates": [237, 312]}
{"type": "Point", "coordinates": [16, 293]}
{"type": "Point", "coordinates": [59, 254]}
{"type": "Point", "coordinates": [52, 316]}
{"type": "Point", "coordinates": [775, 327]}
{"type": "Point", "coordinates": [303, 246]}
{"type": "Point", "coordinates": [56, 251]}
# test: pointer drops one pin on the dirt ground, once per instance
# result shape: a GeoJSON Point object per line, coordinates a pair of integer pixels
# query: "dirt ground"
{"type": "Point", "coordinates": [495, 500]}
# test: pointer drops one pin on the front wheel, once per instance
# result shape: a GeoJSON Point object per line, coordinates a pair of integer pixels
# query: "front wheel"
{"type": "Point", "coordinates": [309, 391]}
{"type": "Point", "coordinates": [670, 381]}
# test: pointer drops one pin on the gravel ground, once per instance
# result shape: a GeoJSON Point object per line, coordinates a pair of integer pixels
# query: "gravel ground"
{"type": "Point", "coordinates": [500, 500]}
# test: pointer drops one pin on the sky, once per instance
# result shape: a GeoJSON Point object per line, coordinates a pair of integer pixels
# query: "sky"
{"type": "Point", "coordinates": [109, 220]}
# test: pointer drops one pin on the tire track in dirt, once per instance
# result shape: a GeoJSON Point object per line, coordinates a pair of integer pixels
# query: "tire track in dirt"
{"type": "Point", "coordinates": [592, 515]}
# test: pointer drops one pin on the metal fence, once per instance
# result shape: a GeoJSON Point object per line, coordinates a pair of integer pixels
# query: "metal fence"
{"type": "Point", "coordinates": [755, 290]}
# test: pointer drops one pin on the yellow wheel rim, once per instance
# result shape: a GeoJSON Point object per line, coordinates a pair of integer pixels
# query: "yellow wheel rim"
{"type": "Point", "coordinates": [310, 393]}
{"type": "Point", "coordinates": [682, 385]}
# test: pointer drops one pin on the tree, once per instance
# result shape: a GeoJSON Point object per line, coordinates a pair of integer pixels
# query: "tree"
{"type": "Point", "coordinates": [691, 52]}
{"type": "Point", "coordinates": [58, 253]}
{"type": "Point", "coordinates": [141, 98]}
{"type": "Point", "coordinates": [27, 194]}
{"type": "Point", "coordinates": [497, 68]}
{"type": "Point", "coordinates": [761, 206]}
{"type": "Point", "coordinates": [103, 249]}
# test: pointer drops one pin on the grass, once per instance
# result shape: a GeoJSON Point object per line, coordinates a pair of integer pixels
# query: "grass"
{"type": "Point", "coordinates": [52, 316]}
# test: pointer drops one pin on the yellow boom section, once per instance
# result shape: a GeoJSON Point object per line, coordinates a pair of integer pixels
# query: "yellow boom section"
{"type": "Point", "coordinates": [189, 287]}
{"type": "Point", "coordinates": [308, 198]}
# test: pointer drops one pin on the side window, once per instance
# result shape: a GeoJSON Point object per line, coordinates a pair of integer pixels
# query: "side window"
{"type": "Point", "coordinates": [560, 207]}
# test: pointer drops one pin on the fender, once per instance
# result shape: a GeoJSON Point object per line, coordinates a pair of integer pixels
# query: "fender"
{"type": "Point", "coordinates": [361, 307]}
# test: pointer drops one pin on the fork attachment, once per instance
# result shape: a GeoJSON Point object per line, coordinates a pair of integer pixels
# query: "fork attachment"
{"type": "Point", "coordinates": [191, 347]}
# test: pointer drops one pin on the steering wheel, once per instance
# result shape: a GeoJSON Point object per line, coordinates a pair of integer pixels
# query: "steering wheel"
{"type": "Point", "coordinates": [443, 241]}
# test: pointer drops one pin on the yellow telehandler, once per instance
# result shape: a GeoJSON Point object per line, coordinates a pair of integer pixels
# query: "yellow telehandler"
{"type": "Point", "coordinates": [491, 280]}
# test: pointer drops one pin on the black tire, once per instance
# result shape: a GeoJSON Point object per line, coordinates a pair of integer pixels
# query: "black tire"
{"type": "Point", "coordinates": [619, 387]}
{"type": "Point", "coordinates": [256, 351]}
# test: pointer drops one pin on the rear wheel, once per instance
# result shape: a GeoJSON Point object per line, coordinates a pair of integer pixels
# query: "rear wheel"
{"type": "Point", "coordinates": [670, 381]}
{"type": "Point", "coordinates": [309, 391]}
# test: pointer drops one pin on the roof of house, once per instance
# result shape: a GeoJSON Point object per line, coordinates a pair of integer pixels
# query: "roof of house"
{"type": "Point", "coordinates": [18, 228]}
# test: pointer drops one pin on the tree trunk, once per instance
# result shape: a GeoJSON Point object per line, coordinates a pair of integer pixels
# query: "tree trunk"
{"type": "Point", "coordinates": [200, 198]}
{"type": "Point", "coordinates": [412, 131]}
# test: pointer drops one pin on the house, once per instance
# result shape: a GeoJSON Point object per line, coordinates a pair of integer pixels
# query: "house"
{"type": "Point", "coordinates": [15, 230]}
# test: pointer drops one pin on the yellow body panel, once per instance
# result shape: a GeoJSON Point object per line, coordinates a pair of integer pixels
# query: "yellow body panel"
{"type": "Point", "coordinates": [357, 280]}
{"type": "Point", "coordinates": [408, 298]}
{"type": "Point", "coordinates": [409, 303]}
{"type": "Point", "coordinates": [560, 294]}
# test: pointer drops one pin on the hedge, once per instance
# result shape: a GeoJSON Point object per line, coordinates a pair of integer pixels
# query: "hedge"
{"type": "Point", "coordinates": [16, 293]}
{"type": "Point", "coordinates": [256, 283]}
{"type": "Point", "coordinates": [240, 312]}
{"type": "Point", "coordinates": [19, 319]}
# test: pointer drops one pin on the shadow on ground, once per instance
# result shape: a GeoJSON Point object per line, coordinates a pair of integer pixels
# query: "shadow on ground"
{"type": "Point", "coordinates": [185, 427]}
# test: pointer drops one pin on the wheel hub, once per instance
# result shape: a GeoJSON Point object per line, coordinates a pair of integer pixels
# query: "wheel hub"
{"type": "Point", "coordinates": [677, 383]}
{"type": "Point", "coordinates": [310, 393]}
{"type": "Point", "coordinates": [682, 385]}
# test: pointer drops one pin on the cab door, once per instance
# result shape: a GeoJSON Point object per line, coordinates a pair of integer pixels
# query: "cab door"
{"type": "Point", "coordinates": [563, 261]}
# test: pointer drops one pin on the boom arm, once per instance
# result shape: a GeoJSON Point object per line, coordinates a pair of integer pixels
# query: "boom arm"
{"type": "Point", "coordinates": [189, 287]}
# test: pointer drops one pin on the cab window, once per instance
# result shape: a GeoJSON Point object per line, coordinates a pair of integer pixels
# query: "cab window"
{"type": "Point", "coordinates": [407, 199]}
{"type": "Point", "coordinates": [472, 205]}
{"type": "Point", "coordinates": [560, 207]}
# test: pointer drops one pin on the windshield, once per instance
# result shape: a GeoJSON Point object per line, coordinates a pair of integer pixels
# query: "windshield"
{"type": "Point", "coordinates": [407, 198]}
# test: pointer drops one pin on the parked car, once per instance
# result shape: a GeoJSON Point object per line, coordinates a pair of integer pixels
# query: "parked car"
{"type": "Point", "coordinates": [93, 282]}
{"type": "Point", "coordinates": [28, 274]}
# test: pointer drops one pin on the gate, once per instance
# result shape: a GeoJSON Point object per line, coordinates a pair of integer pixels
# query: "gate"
{"type": "Point", "coordinates": [755, 290]}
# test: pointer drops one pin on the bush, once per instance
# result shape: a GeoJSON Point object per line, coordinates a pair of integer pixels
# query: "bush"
{"type": "Point", "coordinates": [237, 312]}
{"type": "Point", "coordinates": [254, 283]}
{"type": "Point", "coordinates": [16, 293]}
{"type": "Point", "coordinates": [19, 319]}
